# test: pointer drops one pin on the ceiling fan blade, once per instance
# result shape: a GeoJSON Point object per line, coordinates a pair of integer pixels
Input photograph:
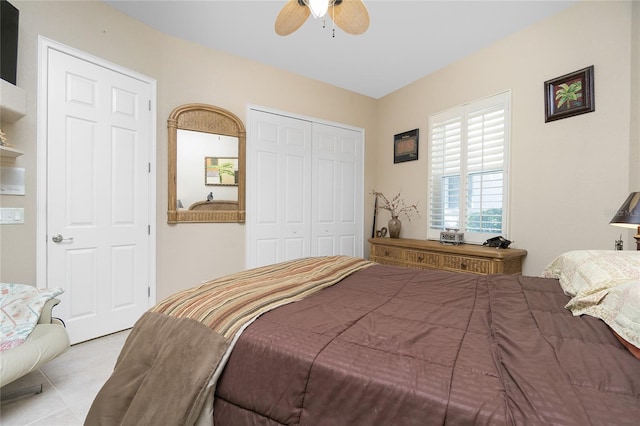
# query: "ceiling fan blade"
{"type": "Point", "coordinates": [291, 17]}
{"type": "Point", "coordinates": [351, 16]}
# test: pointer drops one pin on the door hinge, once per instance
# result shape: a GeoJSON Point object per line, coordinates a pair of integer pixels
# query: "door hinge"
{"type": "Point", "coordinates": [148, 229]}
{"type": "Point", "coordinates": [148, 291]}
{"type": "Point", "coordinates": [149, 104]}
{"type": "Point", "coordinates": [149, 167]}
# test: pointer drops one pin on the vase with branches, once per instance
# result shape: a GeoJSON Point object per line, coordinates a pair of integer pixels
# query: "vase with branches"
{"type": "Point", "coordinates": [396, 206]}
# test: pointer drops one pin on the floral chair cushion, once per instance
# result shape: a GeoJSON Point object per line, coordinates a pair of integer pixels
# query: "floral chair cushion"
{"type": "Point", "coordinates": [20, 309]}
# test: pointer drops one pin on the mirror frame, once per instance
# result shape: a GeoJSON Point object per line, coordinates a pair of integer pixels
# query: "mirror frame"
{"type": "Point", "coordinates": [208, 119]}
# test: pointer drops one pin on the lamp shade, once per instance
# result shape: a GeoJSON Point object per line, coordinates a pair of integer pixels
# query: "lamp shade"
{"type": "Point", "coordinates": [628, 214]}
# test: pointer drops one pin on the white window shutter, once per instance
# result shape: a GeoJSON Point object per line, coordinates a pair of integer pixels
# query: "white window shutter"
{"type": "Point", "coordinates": [446, 155]}
{"type": "Point", "coordinates": [468, 169]}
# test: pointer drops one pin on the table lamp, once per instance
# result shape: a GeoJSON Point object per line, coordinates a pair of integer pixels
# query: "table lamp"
{"type": "Point", "coordinates": [628, 215]}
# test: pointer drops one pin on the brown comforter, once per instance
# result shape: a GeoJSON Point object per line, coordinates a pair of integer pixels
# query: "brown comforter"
{"type": "Point", "coordinates": [396, 346]}
{"type": "Point", "coordinates": [171, 360]}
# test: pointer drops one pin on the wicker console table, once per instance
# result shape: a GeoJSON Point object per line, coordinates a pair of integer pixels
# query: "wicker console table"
{"type": "Point", "coordinates": [425, 254]}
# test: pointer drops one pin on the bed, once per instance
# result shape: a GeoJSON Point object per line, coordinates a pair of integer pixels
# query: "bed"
{"type": "Point", "coordinates": [343, 341]}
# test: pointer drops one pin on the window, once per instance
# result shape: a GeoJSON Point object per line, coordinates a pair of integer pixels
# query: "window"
{"type": "Point", "coordinates": [468, 171]}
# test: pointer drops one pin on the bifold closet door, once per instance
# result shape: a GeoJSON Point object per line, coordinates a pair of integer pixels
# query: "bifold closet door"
{"type": "Point", "coordinates": [279, 189]}
{"type": "Point", "coordinates": [336, 213]}
{"type": "Point", "coordinates": [304, 189]}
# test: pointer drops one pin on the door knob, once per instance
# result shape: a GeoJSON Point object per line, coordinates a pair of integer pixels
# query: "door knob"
{"type": "Point", "coordinates": [59, 238]}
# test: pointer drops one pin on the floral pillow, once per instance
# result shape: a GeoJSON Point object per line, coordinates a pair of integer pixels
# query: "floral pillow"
{"type": "Point", "coordinates": [592, 272]}
{"type": "Point", "coordinates": [620, 309]}
{"type": "Point", "coordinates": [604, 284]}
{"type": "Point", "coordinates": [20, 309]}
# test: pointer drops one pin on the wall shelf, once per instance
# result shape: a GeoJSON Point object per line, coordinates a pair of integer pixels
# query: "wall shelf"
{"type": "Point", "coordinates": [13, 103]}
{"type": "Point", "coordinates": [7, 153]}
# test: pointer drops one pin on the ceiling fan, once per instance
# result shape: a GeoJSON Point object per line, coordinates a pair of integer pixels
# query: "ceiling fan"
{"type": "Point", "coordinates": [349, 15]}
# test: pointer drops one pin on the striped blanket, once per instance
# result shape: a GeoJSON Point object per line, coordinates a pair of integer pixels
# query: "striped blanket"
{"type": "Point", "coordinates": [176, 351]}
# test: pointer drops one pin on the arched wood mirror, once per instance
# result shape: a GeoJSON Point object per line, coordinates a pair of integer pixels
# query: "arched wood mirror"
{"type": "Point", "coordinates": [206, 165]}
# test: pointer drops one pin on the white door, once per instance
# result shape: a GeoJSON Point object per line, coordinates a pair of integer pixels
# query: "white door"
{"type": "Point", "coordinates": [99, 132]}
{"type": "Point", "coordinates": [279, 187]}
{"type": "Point", "coordinates": [337, 213]}
{"type": "Point", "coordinates": [304, 189]}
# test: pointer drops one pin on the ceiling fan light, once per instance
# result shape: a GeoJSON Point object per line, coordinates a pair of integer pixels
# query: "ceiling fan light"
{"type": "Point", "coordinates": [318, 8]}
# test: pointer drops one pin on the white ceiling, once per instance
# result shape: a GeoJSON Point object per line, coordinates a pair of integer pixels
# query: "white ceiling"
{"type": "Point", "coordinates": [406, 40]}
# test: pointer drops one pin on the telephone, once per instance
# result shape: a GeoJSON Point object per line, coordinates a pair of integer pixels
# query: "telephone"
{"type": "Point", "coordinates": [498, 242]}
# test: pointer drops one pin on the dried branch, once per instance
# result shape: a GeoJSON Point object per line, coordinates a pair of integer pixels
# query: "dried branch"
{"type": "Point", "coordinates": [396, 206]}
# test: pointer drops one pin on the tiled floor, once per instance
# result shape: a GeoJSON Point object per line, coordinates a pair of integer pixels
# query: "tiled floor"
{"type": "Point", "coordinates": [70, 383]}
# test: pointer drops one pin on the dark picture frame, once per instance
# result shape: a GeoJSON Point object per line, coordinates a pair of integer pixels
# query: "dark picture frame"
{"type": "Point", "coordinates": [569, 95]}
{"type": "Point", "coordinates": [405, 146]}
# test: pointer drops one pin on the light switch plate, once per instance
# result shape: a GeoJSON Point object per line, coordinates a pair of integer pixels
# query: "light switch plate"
{"type": "Point", "coordinates": [11, 216]}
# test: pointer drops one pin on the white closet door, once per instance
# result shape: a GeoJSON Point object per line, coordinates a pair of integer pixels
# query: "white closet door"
{"type": "Point", "coordinates": [337, 213]}
{"type": "Point", "coordinates": [279, 189]}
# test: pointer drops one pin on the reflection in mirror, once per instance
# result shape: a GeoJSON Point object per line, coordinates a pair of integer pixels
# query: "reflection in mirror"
{"type": "Point", "coordinates": [220, 171]}
{"type": "Point", "coordinates": [206, 159]}
{"type": "Point", "coordinates": [206, 165]}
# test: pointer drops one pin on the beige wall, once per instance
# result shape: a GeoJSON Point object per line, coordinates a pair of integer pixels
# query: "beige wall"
{"type": "Point", "coordinates": [568, 177]}
{"type": "Point", "coordinates": [634, 179]}
{"type": "Point", "coordinates": [185, 73]}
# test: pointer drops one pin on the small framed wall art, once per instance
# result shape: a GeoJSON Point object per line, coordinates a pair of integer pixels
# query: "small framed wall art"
{"type": "Point", "coordinates": [220, 171]}
{"type": "Point", "coordinates": [405, 146]}
{"type": "Point", "coordinates": [569, 95]}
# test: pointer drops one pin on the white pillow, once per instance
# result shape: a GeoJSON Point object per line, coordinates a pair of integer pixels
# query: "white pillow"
{"type": "Point", "coordinates": [619, 308]}
{"type": "Point", "coordinates": [593, 272]}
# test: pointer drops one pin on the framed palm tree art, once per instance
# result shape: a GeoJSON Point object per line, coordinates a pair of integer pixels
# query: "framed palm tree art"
{"type": "Point", "coordinates": [569, 95]}
{"type": "Point", "coordinates": [221, 171]}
